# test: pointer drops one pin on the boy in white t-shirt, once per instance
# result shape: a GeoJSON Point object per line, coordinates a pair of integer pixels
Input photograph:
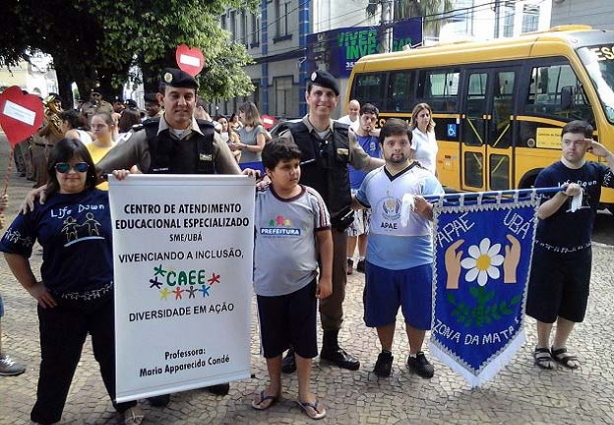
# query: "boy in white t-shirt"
{"type": "Point", "coordinates": [398, 269]}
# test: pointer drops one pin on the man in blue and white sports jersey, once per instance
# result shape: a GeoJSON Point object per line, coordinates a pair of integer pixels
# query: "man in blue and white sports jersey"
{"type": "Point", "coordinates": [399, 251]}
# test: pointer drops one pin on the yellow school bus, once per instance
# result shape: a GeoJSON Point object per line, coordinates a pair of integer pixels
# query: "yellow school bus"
{"type": "Point", "coordinates": [499, 105]}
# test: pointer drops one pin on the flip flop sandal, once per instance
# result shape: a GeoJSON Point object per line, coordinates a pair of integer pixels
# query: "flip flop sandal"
{"type": "Point", "coordinates": [264, 402]}
{"type": "Point", "coordinates": [560, 357]}
{"type": "Point", "coordinates": [133, 416]}
{"type": "Point", "coordinates": [543, 359]}
{"type": "Point", "coordinates": [313, 410]}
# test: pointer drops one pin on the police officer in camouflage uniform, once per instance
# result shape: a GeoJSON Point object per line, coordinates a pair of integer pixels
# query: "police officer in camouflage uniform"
{"type": "Point", "coordinates": [175, 143]}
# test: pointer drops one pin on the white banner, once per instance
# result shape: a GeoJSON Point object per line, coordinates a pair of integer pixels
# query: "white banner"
{"type": "Point", "coordinates": [183, 258]}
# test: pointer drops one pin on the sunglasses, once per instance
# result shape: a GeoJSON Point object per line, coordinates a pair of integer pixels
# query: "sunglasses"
{"type": "Point", "coordinates": [65, 167]}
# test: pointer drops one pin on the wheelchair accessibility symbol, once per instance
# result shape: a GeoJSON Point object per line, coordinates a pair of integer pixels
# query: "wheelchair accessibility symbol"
{"type": "Point", "coordinates": [452, 130]}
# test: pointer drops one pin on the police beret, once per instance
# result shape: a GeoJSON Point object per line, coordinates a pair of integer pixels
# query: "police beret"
{"type": "Point", "coordinates": [56, 97]}
{"type": "Point", "coordinates": [150, 97]}
{"type": "Point", "coordinates": [178, 78]}
{"type": "Point", "coordinates": [130, 103]}
{"type": "Point", "coordinates": [325, 79]}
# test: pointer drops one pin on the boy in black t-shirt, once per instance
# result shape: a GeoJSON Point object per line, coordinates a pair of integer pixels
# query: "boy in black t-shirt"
{"type": "Point", "coordinates": [561, 264]}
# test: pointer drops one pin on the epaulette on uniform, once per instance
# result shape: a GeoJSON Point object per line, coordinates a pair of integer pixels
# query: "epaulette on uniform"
{"type": "Point", "coordinates": [126, 136]}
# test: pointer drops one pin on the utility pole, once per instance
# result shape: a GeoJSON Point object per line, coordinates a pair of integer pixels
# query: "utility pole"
{"type": "Point", "coordinates": [497, 7]}
{"type": "Point", "coordinates": [386, 26]}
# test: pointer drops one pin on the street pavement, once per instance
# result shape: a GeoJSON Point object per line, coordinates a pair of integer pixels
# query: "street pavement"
{"type": "Point", "coordinates": [520, 394]}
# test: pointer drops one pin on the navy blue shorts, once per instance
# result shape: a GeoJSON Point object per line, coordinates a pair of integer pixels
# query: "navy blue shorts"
{"type": "Point", "coordinates": [559, 285]}
{"type": "Point", "coordinates": [289, 320]}
{"type": "Point", "coordinates": [387, 290]}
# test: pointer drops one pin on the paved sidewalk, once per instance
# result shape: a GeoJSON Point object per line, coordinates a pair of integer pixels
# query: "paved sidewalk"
{"type": "Point", "coordinates": [520, 394]}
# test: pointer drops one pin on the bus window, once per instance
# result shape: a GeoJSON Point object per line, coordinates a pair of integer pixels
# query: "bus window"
{"type": "Point", "coordinates": [369, 88]}
{"type": "Point", "coordinates": [600, 67]}
{"type": "Point", "coordinates": [555, 91]}
{"type": "Point", "coordinates": [473, 170]}
{"type": "Point", "coordinates": [400, 92]}
{"type": "Point", "coordinates": [438, 88]}
{"type": "Point", "coordinates": [502, 110]}
{"type": "Point", "coordinates": [476, 103]}
{"type": "Point", "coordinates": [499, 172]}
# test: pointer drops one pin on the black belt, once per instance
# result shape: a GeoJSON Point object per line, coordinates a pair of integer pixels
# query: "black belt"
{"type": "Point", "coordinates": [43, 144]}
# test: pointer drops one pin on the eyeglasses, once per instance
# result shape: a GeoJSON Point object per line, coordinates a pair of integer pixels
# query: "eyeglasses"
{"type": "Point", "coordinates": [65, 167]}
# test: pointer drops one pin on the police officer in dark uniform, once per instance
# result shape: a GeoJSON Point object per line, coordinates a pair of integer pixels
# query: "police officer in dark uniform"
{"type": "Point", "coordinates": [327, 148]}
{"type": "Point", "coordinates": [175, 143]}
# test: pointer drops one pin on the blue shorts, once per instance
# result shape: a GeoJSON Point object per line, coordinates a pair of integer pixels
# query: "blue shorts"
{"type": "Point", "coordinates": [289, 321]}
{"type": "Point", "coordinates": [1, 309]}
{"type": "Point", "coordinates": [387, 290]}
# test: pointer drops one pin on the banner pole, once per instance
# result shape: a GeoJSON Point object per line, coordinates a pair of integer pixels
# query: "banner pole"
{"type": "Point", "coordinates": [9, 168]}
{"type": "Point", "coordinates": [468, 197]}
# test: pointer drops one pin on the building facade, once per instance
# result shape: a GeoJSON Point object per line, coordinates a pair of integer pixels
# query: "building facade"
{"type": "Point", "coordinates": [276, 37]}
{"type": "Point", "coordinates": [596, 13]}
{"type": "Point", "coordinates": [37, 77]}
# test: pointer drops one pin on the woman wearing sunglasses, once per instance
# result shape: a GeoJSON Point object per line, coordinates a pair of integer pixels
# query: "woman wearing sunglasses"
{"type": "Point", "coordinates": [75, 295]}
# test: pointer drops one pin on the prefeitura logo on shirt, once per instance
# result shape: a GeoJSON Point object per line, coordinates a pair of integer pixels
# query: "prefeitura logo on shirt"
{"type": "Point", "coordinates": [280, 226]}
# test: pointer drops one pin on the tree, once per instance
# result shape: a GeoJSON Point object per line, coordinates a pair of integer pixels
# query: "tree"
{"type": "Point", "coordinates": [96, 42]}
{"type": "Point", "coordinates": [433, 12]}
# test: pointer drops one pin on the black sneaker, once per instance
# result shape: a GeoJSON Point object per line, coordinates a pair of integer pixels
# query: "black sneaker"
{"type": "Point", "coordinates": [160, 400]}
{"type": "Point", "coordinates": [360, 267]}
{"type": "Point", "coordinates": [219, 389]}
{"type": "Point", "coordinates": [421, 365]}
{"type": "Point", "coordinates": [340, 358]}
{"type": "Point", "coordinates": [383, 366]}
{"type": "Point", "coordinates": [350, 267]}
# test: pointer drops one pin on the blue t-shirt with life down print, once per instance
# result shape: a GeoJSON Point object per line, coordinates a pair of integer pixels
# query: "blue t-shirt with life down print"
{"type": "Point", "coordinates": [75, 233]}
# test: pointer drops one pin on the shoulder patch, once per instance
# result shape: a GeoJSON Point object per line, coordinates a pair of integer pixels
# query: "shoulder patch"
{"type": "Point", "coordinates": [125, 136]}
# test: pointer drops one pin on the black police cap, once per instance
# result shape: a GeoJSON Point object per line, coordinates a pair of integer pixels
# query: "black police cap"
{"type": "Point", "coordinates": [325, 79]}
{"type": "Point", "coordinates": [178, 78]}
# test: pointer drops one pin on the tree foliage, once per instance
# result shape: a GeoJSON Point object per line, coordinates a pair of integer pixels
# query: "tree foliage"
{"type": "Point", "coordinates": [96, 42]}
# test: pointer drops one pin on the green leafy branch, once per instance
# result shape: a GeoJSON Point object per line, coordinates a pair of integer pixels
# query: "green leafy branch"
{"type": "Point", "coordinates": [481, 313]}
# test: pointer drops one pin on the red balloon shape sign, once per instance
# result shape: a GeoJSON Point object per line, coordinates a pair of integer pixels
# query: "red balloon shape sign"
{"type": "Point", "coordinates": [189, 60]}
{"type": "Point", "coordinates": [268, 121]}
{"type": "Point", "coordinates": [21, 115]}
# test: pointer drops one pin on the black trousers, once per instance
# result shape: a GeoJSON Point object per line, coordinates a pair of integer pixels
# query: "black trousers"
{"type": "Point", "coordinates": [63, 330]}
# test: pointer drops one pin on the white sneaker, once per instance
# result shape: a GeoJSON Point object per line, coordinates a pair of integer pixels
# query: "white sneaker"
{"type": "Point", "coordinates": [10, 368]}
